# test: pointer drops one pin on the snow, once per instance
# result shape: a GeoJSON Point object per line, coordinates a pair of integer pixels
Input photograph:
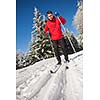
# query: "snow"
{"type": "Point", "coordinates": [37, 83]}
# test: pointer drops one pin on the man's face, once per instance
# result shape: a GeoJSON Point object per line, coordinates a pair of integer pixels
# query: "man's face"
{"type": "Point", "coordinates": [50, 16]}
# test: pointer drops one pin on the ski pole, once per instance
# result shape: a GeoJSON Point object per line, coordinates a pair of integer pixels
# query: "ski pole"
{"type": "Point", "coordinates": [67, 35]}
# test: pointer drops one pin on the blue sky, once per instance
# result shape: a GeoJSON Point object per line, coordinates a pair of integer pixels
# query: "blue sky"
{"type": "Point", "coordinates": [24, 15]}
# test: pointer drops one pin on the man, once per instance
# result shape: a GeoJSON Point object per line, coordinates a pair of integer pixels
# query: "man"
{"type": "Point", "coordinates": [53, 27]}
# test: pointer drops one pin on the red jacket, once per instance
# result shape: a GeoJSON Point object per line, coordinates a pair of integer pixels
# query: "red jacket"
{"type": "Point", "coordinates": [54, 28]}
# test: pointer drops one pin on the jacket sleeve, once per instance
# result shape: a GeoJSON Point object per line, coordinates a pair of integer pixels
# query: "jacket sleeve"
{"type": "Point", "coordinates": [62, 20]}
{"type": "Point", "coordinates": [46, 29]}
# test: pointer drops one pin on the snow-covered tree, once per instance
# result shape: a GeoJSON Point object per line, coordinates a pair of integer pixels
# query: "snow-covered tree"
{"type": "Point", "coordinates": [78, 22]}
{"type": "Point", "coordinates": [22, 60]}
{"type": "Point", "coordinates": [40, 44]}
{"type": "Point", "coordinates": [33, 56]}
{"type": "Point", "coordinates": [74, 41]}
{"type": "Point", "coordinates": [25, 60]}
{"type": "Point", "coordinates": [17, 60]}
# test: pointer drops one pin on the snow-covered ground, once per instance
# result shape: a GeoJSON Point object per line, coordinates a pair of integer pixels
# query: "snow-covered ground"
{"type": "Point", "coordinates": [37, 83]}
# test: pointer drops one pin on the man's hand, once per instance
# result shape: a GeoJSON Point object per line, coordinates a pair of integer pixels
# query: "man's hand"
{"type": "Point", "coordinates": [57, 14]}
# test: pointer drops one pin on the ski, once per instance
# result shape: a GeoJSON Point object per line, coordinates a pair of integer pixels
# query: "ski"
{"type": "Point", "coordinates": [56, 68]}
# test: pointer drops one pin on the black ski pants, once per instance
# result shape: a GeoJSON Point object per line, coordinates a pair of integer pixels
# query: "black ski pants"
{"type": "Point", "coordinates": [63, 45]}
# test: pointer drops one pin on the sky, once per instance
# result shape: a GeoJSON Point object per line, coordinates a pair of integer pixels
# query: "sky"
{"type": "Point", "coordinates": [24, 16]}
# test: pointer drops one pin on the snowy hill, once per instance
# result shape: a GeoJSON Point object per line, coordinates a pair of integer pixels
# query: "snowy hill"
{"type": "Point", "coordinates": [37, 83]}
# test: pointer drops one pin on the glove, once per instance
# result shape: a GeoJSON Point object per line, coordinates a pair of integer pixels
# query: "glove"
{"type": "Point", "coordinates": [57, 14]}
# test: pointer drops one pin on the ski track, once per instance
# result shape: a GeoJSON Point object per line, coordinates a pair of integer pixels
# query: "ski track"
{"type": "Point", "coordinates": [37, 83]}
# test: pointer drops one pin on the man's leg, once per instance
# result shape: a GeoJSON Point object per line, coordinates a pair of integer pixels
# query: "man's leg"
{"type": "Point", "coordinates": [55, 45]}
{"type": "Point", "coordinates": [63, 45]}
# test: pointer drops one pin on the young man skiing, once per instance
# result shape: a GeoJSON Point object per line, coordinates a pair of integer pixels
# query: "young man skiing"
{"type": "Point", "coordinates": [53, 26]}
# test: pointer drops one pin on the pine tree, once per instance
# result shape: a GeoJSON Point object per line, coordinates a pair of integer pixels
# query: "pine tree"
{"type": "Point", "coordinates": [40, 47]}
{"type": "Point", "coordinates": [78, 22]}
